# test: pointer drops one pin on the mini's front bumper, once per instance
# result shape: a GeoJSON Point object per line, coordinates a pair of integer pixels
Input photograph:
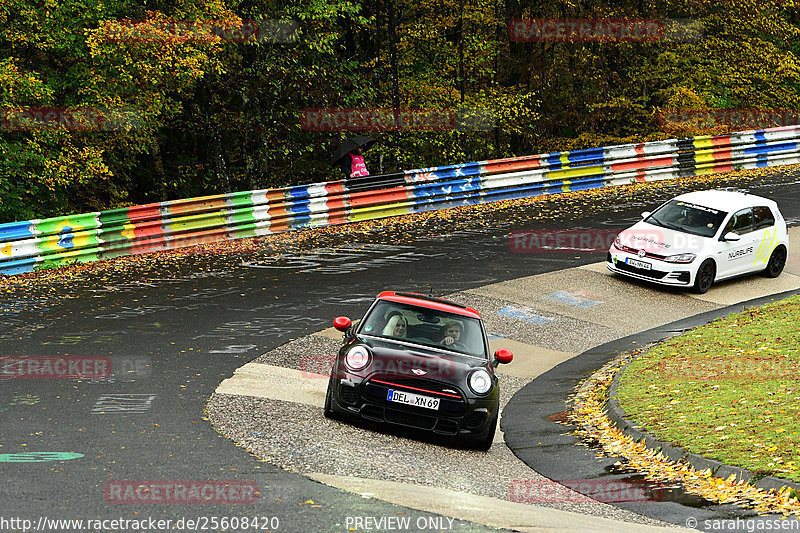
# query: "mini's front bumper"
{"type": "Point", "coordinates": [366, 399]}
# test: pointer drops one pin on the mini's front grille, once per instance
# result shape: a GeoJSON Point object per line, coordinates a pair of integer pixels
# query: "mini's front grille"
{"type": "Point", "coordinates": [451, 401]}
{"type": "Point", "coordinates": [422, 386]}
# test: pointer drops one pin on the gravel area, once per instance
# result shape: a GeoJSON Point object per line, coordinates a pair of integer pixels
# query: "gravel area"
{"type": "Point", "coordinates": [563, 333]}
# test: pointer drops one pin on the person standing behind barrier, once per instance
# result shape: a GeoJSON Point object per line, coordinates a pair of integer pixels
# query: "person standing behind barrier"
{"type": "Point", "coordinates": [353, 164]}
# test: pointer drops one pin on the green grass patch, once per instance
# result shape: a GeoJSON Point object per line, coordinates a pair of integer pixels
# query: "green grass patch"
{"type": "Point", "coordinates": [728, 390]}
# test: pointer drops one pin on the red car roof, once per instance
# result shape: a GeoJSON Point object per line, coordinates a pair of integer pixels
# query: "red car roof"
{"type": "Point", "coordinates": [421, 300]}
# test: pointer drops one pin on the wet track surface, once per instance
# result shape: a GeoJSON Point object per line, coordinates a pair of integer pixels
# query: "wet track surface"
{"type": "Point", "coordinates": [170, 338]}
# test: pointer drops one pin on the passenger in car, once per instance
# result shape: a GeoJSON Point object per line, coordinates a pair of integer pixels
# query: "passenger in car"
{"type": "Point", "coordinates": [396, 327]}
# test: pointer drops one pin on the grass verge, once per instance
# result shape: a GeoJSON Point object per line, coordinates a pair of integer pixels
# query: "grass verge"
{"type": "Point", "coordinates": [728, 390]}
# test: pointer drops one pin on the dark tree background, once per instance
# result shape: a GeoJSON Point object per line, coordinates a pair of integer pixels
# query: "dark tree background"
{"type": "Point", "coordinates": [192, 102]}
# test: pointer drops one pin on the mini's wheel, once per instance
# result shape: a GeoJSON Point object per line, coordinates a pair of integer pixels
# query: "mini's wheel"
{"type": "Point", "coordinates": [328, 409]}
{"type": "Point", "coordinates": [776, 262]}
{"type": "Point", "coordinates": [484, 443]}
{"type": "Point", "coordinates": [705, 276]}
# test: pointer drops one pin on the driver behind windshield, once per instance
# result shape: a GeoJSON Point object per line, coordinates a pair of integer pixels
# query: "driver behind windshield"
{"type": "Point", "coordinates": [681, 216]}
{"type": "Point", "coordinates": [452, 334]}
{"type": "Point", "coordinates": [689, 219]}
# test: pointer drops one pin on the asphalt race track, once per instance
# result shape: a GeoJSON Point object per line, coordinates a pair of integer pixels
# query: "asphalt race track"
{"type": "Point", "coordinates": [77, 449]}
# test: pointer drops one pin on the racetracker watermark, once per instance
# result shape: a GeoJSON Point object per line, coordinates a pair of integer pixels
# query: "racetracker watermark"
{"type": "Point", "coordinates": [244, 31]}
{"type": "Point", "coordinates": [180, 492]}
{"type": "Point", "coordinates": [194, 523]}
{"type": "Point", "coordinates": [749, 368]}
{"type": "Point", "coordinates": [561, 240]}
{"type": "Point", "coordinates": [397, 119]}
{"type": "Point", "coordinates": [537, 491]}
{"type": "Point", "coordinates": [627, 30]}
{"type": "Point", "coordinates": [598, 240]}
{"type": "Point", "coordinates": [732, 119]}
{"type": "Point", "coordinates": [55, 367]}
{"type": "Point", "coordinates": [319, 366]}
{"type": "Point", "coordinates": [70, 119]}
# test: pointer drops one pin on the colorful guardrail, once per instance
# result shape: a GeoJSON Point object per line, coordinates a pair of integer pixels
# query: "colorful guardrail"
{"type": "Point", "coordinates": [35, 244]}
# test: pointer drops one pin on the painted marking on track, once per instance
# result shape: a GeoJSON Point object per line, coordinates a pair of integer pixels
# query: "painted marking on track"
{"type": "Point", "coordinates": [25, 399]}
{"type": "Point", "coordinates": [234, 348]}
{"type": "Point", "coordinates": [123, 403]}
{"type": "Point", "coordinates": [525, 314]}
{"type": "Point", "coordinates": [278, 324]}
{"type": "Point", "coordinates": [575, 298]}
{"type": "Point", "coordinates": [38, 457]}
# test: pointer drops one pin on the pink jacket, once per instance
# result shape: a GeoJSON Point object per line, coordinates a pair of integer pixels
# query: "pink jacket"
{"type": "Point", "coordinates": [358, 168]}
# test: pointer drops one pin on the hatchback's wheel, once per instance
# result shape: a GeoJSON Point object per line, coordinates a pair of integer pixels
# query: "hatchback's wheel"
{"type": "Point", "coordinates": [705, 276]}
{"type": "Point", "coordinates": [776, 262]}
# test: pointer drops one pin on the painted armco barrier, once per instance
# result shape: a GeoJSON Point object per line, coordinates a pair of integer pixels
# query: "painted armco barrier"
{"type": "Point", "coordinates": [34, 244]}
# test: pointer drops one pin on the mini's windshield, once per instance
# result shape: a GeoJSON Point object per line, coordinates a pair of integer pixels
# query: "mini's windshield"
{"type": "Point", "coordinates": [425, 326]}
{"type": "Point", "coordinates": [688, 218]}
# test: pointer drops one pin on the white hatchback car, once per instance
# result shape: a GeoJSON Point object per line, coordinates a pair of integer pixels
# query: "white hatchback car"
{"type": "Point", "coordinates": [702, 237]}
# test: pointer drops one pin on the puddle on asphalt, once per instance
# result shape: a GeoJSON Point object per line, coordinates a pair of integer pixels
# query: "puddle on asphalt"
{"type": "Point", "coordinates": [654, 490]}
{"type": "Point", "coordinates": [630, 485]}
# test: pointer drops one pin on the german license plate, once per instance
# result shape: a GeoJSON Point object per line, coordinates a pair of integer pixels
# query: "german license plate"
{"type": "Point", "coordinates": [638, 264]}
{"type": "Point", "coordinates": [416, 400]}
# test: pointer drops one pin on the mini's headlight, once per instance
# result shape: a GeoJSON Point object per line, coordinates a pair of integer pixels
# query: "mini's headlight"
{"type": "Point", "coordinates": [680, 258]}
{"type": "Point", "coordinates": [480, 381]}
{"type": "Point", "coordinates": [618, 242]}
{"type": "Point", "coordinates": [357, 358]}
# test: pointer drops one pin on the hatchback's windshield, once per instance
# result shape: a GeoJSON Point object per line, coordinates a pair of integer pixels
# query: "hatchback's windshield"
{"type": "Point", "coordinates": [688, 218]}
{"type": "Point", "coordinates": [425, 326]}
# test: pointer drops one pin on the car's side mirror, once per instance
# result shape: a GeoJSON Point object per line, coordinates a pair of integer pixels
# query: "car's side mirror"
{"type": "Point", "coordinates": [342, 323]}
{"type": "Point", "coordinates": [645, 214]}
{"type": "Point", "coordinates": [731, 236]}
{"type": "Point", "coordinates": [502, 356]}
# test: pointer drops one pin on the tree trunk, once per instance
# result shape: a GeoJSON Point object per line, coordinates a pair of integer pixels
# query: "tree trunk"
{"type": "Point", "coordinates": [219, 159]}
{"type": "Point", "coordinates": [392, 25]}
{"type": "Point", "coordinates": [158, 166]}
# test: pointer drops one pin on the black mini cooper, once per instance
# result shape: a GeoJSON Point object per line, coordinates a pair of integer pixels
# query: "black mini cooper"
{"type": "Point", "coordinates": [420, 362]}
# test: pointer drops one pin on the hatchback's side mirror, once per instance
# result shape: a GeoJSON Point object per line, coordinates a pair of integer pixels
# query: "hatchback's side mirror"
{"type": "Point", "coordinates": [645, 214]}
{"type": "Point", "coordinates": [731, 236]}
{"type": "Point", "coordinates": [502, 356]}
